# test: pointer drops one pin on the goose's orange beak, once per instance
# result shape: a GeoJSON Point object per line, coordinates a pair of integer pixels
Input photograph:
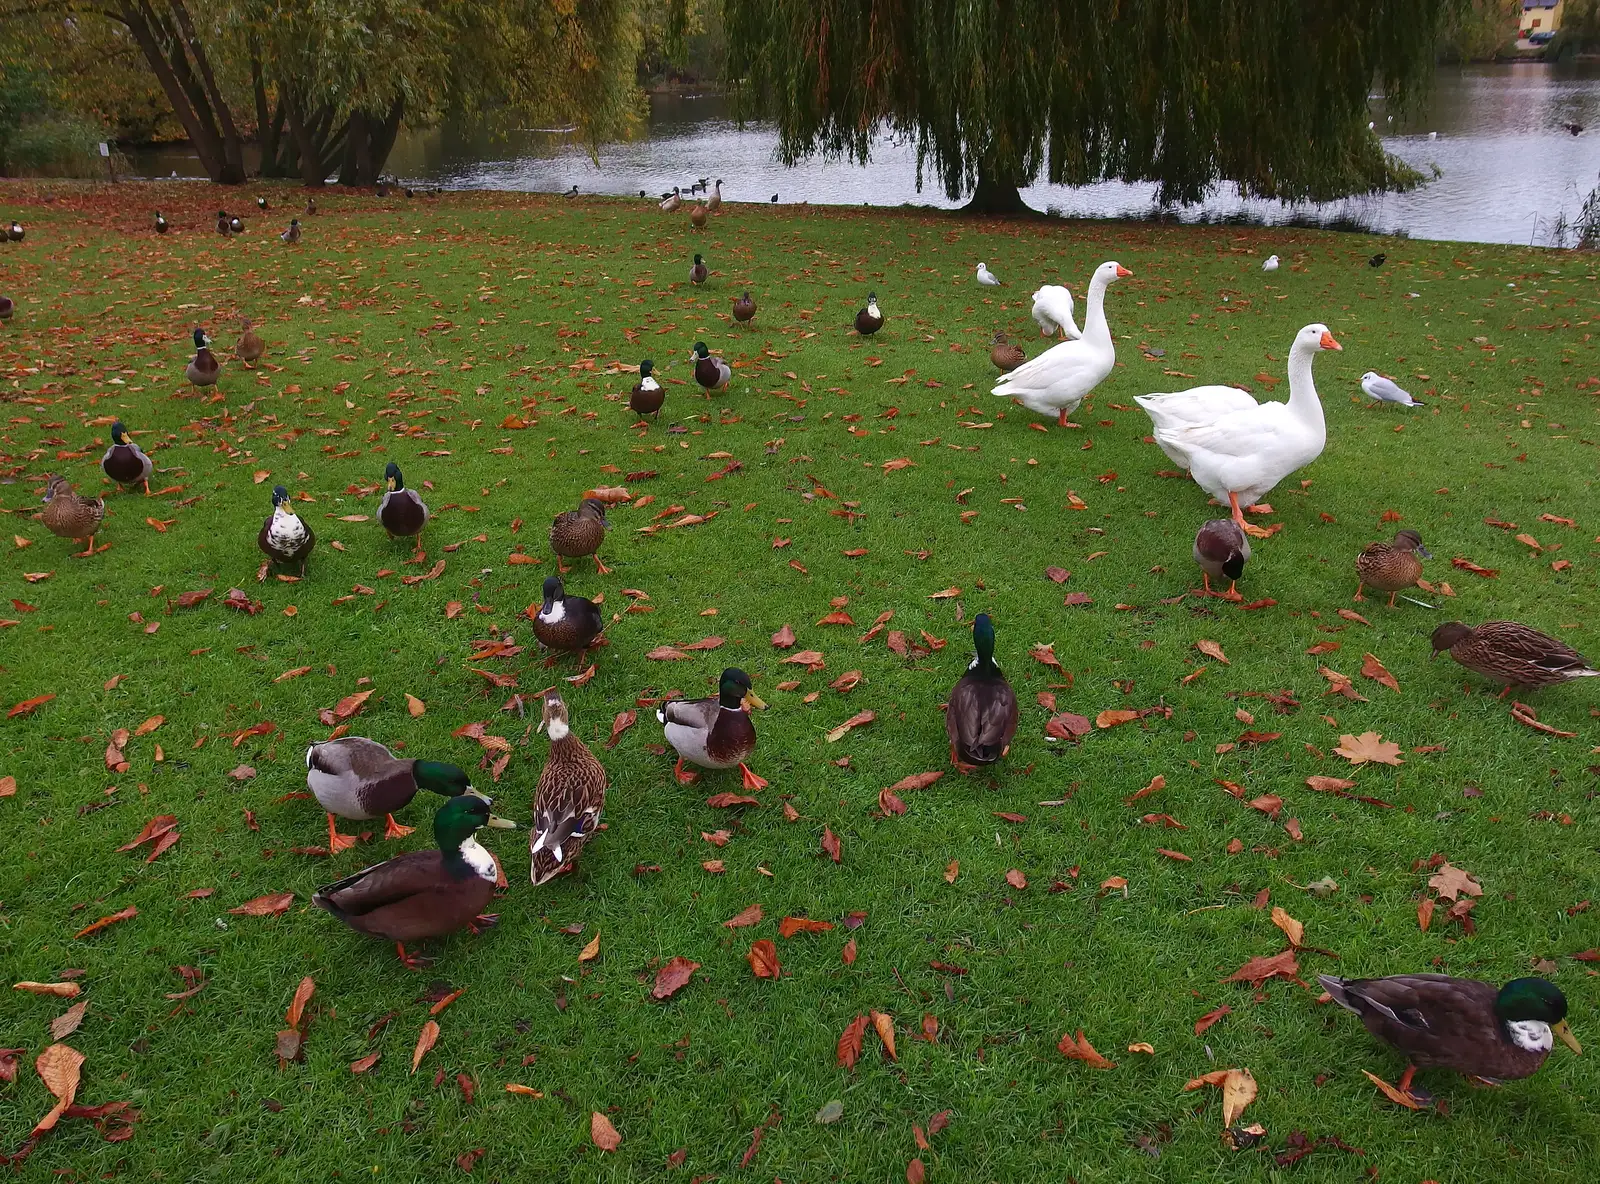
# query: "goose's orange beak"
{"type": "Point", "coordinates": [1122, 271]}
{"type": "Point", "coordinates": [1328, 342]}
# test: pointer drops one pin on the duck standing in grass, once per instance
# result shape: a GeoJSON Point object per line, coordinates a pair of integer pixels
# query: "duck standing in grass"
{"type": "Point", "coordinates": [125, 462]}
{"type": "Point", "coordinates": [714, 733]}
{"type": "Point", "coordinates": [698, 216]}
{"type": "Point", "coordinates": [16, 233]}
{"type": "Point", "coordinates": [672, 201]}
{"type": "Point", "coordinates": [311, 207]}
{"type": "Point", "coordinates": [8, 308]}
{"type": "Point", "coordinates": [647, 395]}
{"type": "Point", "coordinates": [285, 538]}
{"type": "Point", "coordinates": [577, 533]}
{"type": "Point", "coordinates": [714, 202]}
{"type": "Point", "coordinates": [1473, 1027]}
{"type": "Point", "coordinates": [1512, 653]}
{"type": "Point", "coordinates": [567, 624]}
{"type": "Point", "coordinates": [261, 204]}
{"type": "Point", "coordinates": [402, 512]}
{"type": "Point", "coordinates": [236, 224]}
{"type": "Point", "coordinates": [870, 319]}
{"type": "Point", "coordinates": [1221, 549]}
{"type": "Point", "coordinates": [1391, 567]}
{"type": "Point", "coordinates": [1005, 353]}
{"type": "Point", "coordinates": [224, 226]}
{"type": "Point", "coordinates": [359, 779]}
{"type": "Point", "coordinates": [568, 802]}
{"type": "Point", "coordinates": [422, 894]}
{"type": "Point", "coordinates": [710, 372]}
{"type": "Point", "coordinates": [70, 515]}
{"type": "Point", "coordinates": [699, 272]}
{"type": "Point", "coordinates": [981, 717]}
{"type": "Point", "coordinates": [161, 223]}
{"type": "Point", "coordinates": [744, 309]}
{"type": "Point", "coordinates": [249, 347]}
{"type": "Point", "coordinates": [292, 234]}
{"type": "Point", "coordinates": [203, 369]}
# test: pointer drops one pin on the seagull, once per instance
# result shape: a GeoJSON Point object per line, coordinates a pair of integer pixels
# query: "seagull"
{"type": "Point", "coordinates": [1271, 264]}
{"type": "Point", "coordinates": [986, 277]}
{"type": "Point", "coordinates": [1385, 391]}
{"type": "Point", "coordinates": [1433, 135]}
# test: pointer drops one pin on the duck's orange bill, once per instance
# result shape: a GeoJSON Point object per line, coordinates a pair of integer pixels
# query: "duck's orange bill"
{"type": "Point", "coordinates": [1328, 342]}
{"type": "Point", "coordinates": [1122, 271]}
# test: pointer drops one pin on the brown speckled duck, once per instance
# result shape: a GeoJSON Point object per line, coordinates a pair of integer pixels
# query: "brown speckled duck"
{"type": "Point", "coordinates": [1221, 549]}
{"type": "Point", "coordinates": [125, 462]}
{"type": "Point", "coordinates": [744, 309]}
{"type": "Point", "coordinates": [70, 515]}
{"type": "Point", "coordinates": [577, 533]}
{"type": "Point", "coordinates": [714, 733]}
{"type": "Point", "coordinates": [648, 395]}
{"type": "Point", "coordinates": [1005, 354]}
{"type": "Point", "coordinates": [569, 624]}
{"type": "Point", "coordinates": [1391, 567]}
{"type": "Point", "coordinates": [203, 369]}
{"type": "Point", "coordinates": [285, 537]}
{"type": "Point", "coordinates": [249, 347]}
{"type": "Point", "coordinates": [1511, 653]}
{"type": "Point", "coordinates": [698, 216]}
{"type": "Point", "coordinates": [568, 802]}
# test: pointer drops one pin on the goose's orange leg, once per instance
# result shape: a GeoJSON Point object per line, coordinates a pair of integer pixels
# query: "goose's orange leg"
{"type": "Point", "coordinates": [752, 781]}
{"type": "Point", "coordinates": [336, 841]}
{"type": "Point", "coordinates": [393, 830]}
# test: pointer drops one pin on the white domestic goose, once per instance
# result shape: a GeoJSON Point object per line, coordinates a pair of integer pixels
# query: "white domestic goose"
{"type": "Point", "coordinates": [1245, 448]}
{"type": "Point", "coordinates": [1057, 380]}
{"type": "Point", "coordinates": [1052, 309]}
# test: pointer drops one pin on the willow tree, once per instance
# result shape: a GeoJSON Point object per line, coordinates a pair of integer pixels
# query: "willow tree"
{"type": "Point", "coordinates": [1268, 94]}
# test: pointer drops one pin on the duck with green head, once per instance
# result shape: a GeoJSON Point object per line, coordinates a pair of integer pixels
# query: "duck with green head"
{"type": "Point", "coordinates": [710, 372]}
{"type": "Point", "coordinates": [714, 733]}
{"type": "Point", "coordinates": [648, 395]}
{"type": "Point", "coordinates": [402, 511]}
{"type": "Point", "coordinates": [422, 894]}
{"type": "Point", "coordinates": [125, 462]}
{"type": "Point", "coordinates": [698, 273]}
{"type": "Point", "coordinates": [203, 369]}
{"type": "Point", "coordinates": [981, 717]}
{"type": "Point", "coordinates": [285, 537]}
{"type": "Point", "coordinates": [1478, 1029]}
{"type": "Point", "coordinates": [357, 779]}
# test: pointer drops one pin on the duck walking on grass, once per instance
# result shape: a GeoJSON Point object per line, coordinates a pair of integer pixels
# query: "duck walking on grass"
{"type": "Point", "coordinates": [577, 533]}
{"type": "Point", "coordinates": [161, 223]}
{"type": "Point", "coordinates": [699, 272]}
{"type": "Point", "coordinates": [1511, 653]}
{"type": "Point", "coordinates": [8, 308]}
{"type": "Point", "coordinates": [422, 894]}
{"type": "Point", "coordinates": [70, 515]}
{"type": "Point", "coordinates": [359, 779]}
{"type": "Point", "coordinates": [1005, 354]}
{"type": "Point", "coordinates": [712, 373]}
{"type": "Point", "coordinates": [744, 309]}
{"type": "Point", "coordinates": [402, 512]}
{"type": "Point", "coordinates": [981, 717]}
{"type": "Point", "coordinates": [249, 347]}
{"type": "Point", "coordinates": [203, 369]}
{"type": "Point", "coordinates": [714, 733]}
{"type": "Point", "coordinates": [285, 537]}
{"type": "Point", "coordinates": [125, 462]}
{"type": "Point", "coordinates": [870, 319]}
{"type": "Point", "coordinates": [292, 234]}
{"type": "Point", "coordinates": [1221, 549]}
{"type": "Point", "coordinates": [648, 395]}
{"type": "Point", "coordinates": [568, 802]}
{"type": "Point", "coordinates": [224, 226]}
{"type": "Point", "coordinates": [1391, 567]}
{"type": "Point", "coordinates": [567, 624]}
{"type": "Point", "coordinates": [1473, 1027]}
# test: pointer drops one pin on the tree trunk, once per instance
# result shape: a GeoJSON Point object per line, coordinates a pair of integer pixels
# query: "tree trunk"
{"type": "Point", "coordinates": [368, 141]}
{"type": "Point", "coordinates": [232, 145]}
{"type": "Point", "coordinates": [996, 195]}
{"type": "Point", "coordinates": [196, 122]}
{"type": "Point", "coordinates": [312, 174]}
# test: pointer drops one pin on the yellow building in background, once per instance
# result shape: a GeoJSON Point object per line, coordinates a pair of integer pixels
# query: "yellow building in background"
{"type": "Point", "coordinates": [1540, 19]}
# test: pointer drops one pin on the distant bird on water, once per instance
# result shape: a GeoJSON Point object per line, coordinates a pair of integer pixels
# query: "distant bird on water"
{"type": "Point", "coordinates": [673, 201]}
{"type": "Point", "coordinates": [773, 199]}
{"type": "Point", "coordinates": [1575, 128]}
{"type": "Point", "coordinates": [986, 277]}
{"type": "Point", "coordinates": [1271, 264]}
{"type": "Point", "coordinates": [1378, 260]}
{"type": "Point", "coordinates": [1385, 391]}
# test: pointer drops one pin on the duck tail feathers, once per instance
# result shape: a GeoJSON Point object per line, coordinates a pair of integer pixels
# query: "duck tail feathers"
{"type": "Point", "coordinates": [1335, 986]}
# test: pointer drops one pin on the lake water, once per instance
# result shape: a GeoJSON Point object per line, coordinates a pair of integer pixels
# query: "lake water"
{"type": "Point", "coordinates": [1510, 168]}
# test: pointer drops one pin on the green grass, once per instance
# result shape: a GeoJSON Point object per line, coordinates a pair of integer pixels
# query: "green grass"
{"type": "Point", "coordinates": [458, 312]}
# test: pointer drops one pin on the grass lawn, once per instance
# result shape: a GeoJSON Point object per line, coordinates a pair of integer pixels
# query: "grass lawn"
{"type": "Point", "coordinates": [486, 343]}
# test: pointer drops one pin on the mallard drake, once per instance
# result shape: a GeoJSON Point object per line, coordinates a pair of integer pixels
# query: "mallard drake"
{"type": "Point", "coordinates": [870, 319]}
{"type": "Point", "coordinates": [981, 717]}
{"type": "Point", "coordinates": [1512, 653]}
{"type": "Point", "coordinates": [161, 223]}
{"type": "Point", "coordinates": [292, 234]}
{"type": "Point", "coordinates": [261, 203]}
{"type": "Point", "coordinates": [249, 347]}
{"type": "Point", "coordinates": [714, 733]}
{"type": "Point", "coordinates": [744, 309]}
{"type": "Point", "coordinates": [15, 232]}
{"type": "Point", "coordinates": [224, 225]}
{"type": "Point", "coordinates": [1005, 355]}
{"type": "Point", "coordinates": [421, 894]}
{"type": "Point", "coordinates": [1221, 549]}
{"type": "Point", "coordinates": [698, 273]}
{"type": "Point", "coordinates": [698, 216]}
{"type": "Point", "coordinates": [203, 369]}
{"type": "Point", "coordinates": [714, 202]}
{"type": "Point", "coordinates": [576, 533]}
{"type": "Point", "coordinates": [647, 395]}
{"type": "Point", "coordinates": [566, 623]}
{"type": "Point", "coordinates": [285, 537]}
{"type": "Point", "coordinates": [402, 511]}
{"type": "Point", "coordinates": [1478, 1029]}
{"type": "Point", "coordinates": [8, 308]}
{"type": "Point", "coordinates": [70, 515]}
{"type": "Point", "coordinates": [672, 201]}
{"type": "Point", "coordinates": [567, 804]}
{"type": "Point", "coordinates": [357, 778]}
{"type": "Point", "coordinates": [1391, 567]}
{"type": "Point", "coordinates": [710, 372]}
{"type": "Point", "coordinates": [236, 224]}
{"type": "Point", "coordinates": [125, 462]}
{"type": "Point", "coordinates": [1056, 381]}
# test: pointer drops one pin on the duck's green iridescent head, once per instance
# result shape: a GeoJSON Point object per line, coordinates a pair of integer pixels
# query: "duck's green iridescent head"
{"type": "Point", "coordinates": [983, 642]}
{"type": "Point", "coordinates": [119, 433]}
{"type": "Point", "coordinates": [458, 819]}
{"type": "Point", "coordinates": [700, 350]}
{"type": "Point", "coordinates": [441, 777]}
{"type": "Point", "coordinates": [1536, 1001]}
{"type": "Point", "coordinates": [645, 367]}
{"type": "Point", "coordinates": [392, 477]}
{"type": "Point", "coordinates": [733, 687]}
{"type": "Point", "coordinates": [698, 260]}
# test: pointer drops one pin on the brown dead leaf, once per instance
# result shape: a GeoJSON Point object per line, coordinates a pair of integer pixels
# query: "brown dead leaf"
{"type": "Point", "coordinates": [830, 844]}
{"type": "Point", "coordinates": [1211, 650]}
{"type": "Point", "coordinates": [1393, 1094]}
{"type": "Point", "coordinates": [302, 996]}
{"type": "Point", "coordinates": [1368, 746]}
{"type": "Point", "coordinates": [1259, 969]}
{"type": "Point", "coordinates": [426, 1039]}
{"type": "Point", "coordinates": [59, 990]}
{"type": "Point", "coordinates": [1211, 1017]}
{"type": "Point", "coordinates": [673, 977]}
{"type": "Point", "coordinates": [1079, 1049]}
{"type": "Point", "coordinates": [1374, 669]}
{"type": "Point", "coordinates": [591, 951]}
{"type": "Point", "coordinates": [1292, 929]}
{"type": "Point", "coordinates": [1113, 716]}
{"type": "Point", "coordinates": [783, 638]}
{"type": "Point", "coordinates": [1157, 783]}
{"type": "Point", "coordinates": [126, 914]}
{"type": "Point", "coordinates": [749, 916]}
{"type": "Point", "coordinates": [1016, 879]}
{"type": "Point", "coordinates": [602, 1133]}
{"type": "Point", "coordinates": [59, 1067]}
{"type": "Point", "coordinates": [855, 721]}
{"type": "Point", "coordinates": [790, 926]}
{"type": "Point", "coordinates": [763, 958]}
{"type": "Point", "coordinates": [1450, 882]}
{"type": "Point", "coordinates": [67, 1022]}
{"type": "Point", "coordinates": [885, 1028]}
{"type": "Point", "coordinates": [270, 905]}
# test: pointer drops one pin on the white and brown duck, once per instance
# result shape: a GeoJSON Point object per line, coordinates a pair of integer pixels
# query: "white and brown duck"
{"type": "Point", "coordinates": [569, 799]}
{"type": "Point", "coordinates": [714, 733]}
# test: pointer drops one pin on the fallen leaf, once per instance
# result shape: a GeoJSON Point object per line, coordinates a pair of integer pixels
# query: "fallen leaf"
{"type": "Point", "coordinates": [1292, 929]}
{"type": "Point", "coordinates": [67, 1022]}
{"type": "Point", "coordinates": [830, 844]}
{"type": "Point", "coordinates": [673, 977]}
{"type": "Point", "coordinates": [1259, 969]}
{"type": "Point", "coordinates": [1067, 726]}
{"type": "Point", "coordinates": [885, 1028]}
{"type": "Point", "coordinates": [59, 1067]}
{"type": "Point", "coordinates": [1212, 650]}
{"type": "Point", "coordinates": [1374, 669]}
{"type": "Point", "coordinates": [952, 871]}
{"type": "Point", "coordinates": [1425, 908]}
{"type": "Point", "coordinates": [28, 706]}
{"type": "Point", "coordinates": [414, 705]}
{"type": "Point", "coordinates": [1157, 783]}
{"type": "Point", "coordinates": [426, 1039]}
{"type": "Point", "coordinates": [1393, 1094]}
{"type": "Point", "coordinates": [126, 914]}
{"type": "Point", "coordinates": [1368, 746]}
{"type": "Point", "coordinates": [1450, 882]}
{"type": "Point", "coordinates": [59, 990]}
{"type": "Point", "coordinates": [526, 1091]}
{"type": "Point", "coordinates": [155, 828]}
{"type": "Point", "coordinates": [591, 951]}
{"type": "Point", "coordinates": [855, 721]}
{"type": "Point", "coordinates": [1079, 1049]}
{"type": "Point", "coordinates": [783, 638]}
{"type": "Point", "coordinates": [1238, 1091]}
{"type": "Point", "coordinates": [849, 1047]}
{"type": "Point", "coordinates": [1111, 717]}
{"type": "Point", "coordinates": [790, 926]}
{"type": "Point", "coordinates": [602, 1133]}
{"type": "Point", "coordinates": [271, 905]}
{"type": "Point", "coordinates": [746, 917]}
{"type": "Point", "coordinates": [1016, 879]}
{"type": "Point", "coordinates": [763, 958]}
{"type": "Point", "coordinates": [915, 781]}
{"type": "Point", "coordinates": [1211, 1017]}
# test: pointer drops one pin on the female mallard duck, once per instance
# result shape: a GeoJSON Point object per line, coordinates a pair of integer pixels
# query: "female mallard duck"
{"type": "Point", "coordinates": [70, 515]}
{"type": "Point", "coordinates": [714, 733]}
{"type": "Point", "coordinates": [402, 511]}
{"type": "Point", "coordinates": [1508, 652]}
{"type": "Point", "coordinates": [647, 395]}
{"type": "Point", "coordinates": [421, 894]}
{"type": "Point", "coordinates": [567, 804]}
{"type": "Point", "coordinates": [285, 538]}
{"type": "Point", "coordinates": [311, 207]}
{"type": "Point", "coordinates": [224, 226]}
{"type": "Point", "coordinates": [125, 462]}
{"type": "Point", "coordinates": [566, 623]}
{"type": "Point", "coordinates": [203, 368]}
{"type": "Point", "coordinates": [8, 308]}
{"type": "Point", "coordinates": [712, 373]}
{"type": "Point", "coordinates": [672, 201]}
{"type": "Point", "coordinates": [161, 223]}
{"type": "Point", "coordinates": [1005, 354]}
{"type": "Point", "coordinates": [699, 272]}
{"type": "Point", "coordinates": [714, 202]}
{"type": "Point", "coordinates": [1391, 567]}
{"type": "Point", "coordinates": [744, 309]}
{"type": "Point", "coordinates": [869, 320]}
{"type": "Point", "coordinates": [1438, 1022]}
{"type": "Point", "coordinates": [981, 717]}
{"type": "Point", "coordinates": [356, 778]}
{"type": "Point", "coordinates": [698, 216]}
{"type": "Point", "coordinates": [1221, 549]}
{"type": "Point", "coordinates": [249, 347]}
{"type": "Point", "coordinates": [576, 533]}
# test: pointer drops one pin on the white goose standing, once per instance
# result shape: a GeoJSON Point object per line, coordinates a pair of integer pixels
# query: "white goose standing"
{"type": "Point", "coordinates": [1237, 449]}
{"type": "Point", "coordinates": [1056, 381]}
{"type": "Point", "coordinates": [1052, 309]}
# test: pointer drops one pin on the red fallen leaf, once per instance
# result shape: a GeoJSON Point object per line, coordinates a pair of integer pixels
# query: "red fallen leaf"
{"type": "Point", "coordinates": [848, 954]}
{"type": "Point", "coordinates": [783, 638]}
{"type": "Point", "coordinates": [830, 844]}
{"type": "Point", "coordinates": [28, 706]}
{"type": "Point", "coordinates": [1374, 669]}
{"type": "Point", "coordinates": [667, 653]}
{"type": "Point", "coordinates": [190, 599]}
{"type": "Point", "coordinates": [945, 594]}
{"type": "Point", "coordinates": [763, 958]}
{"type": "Point", "coordinates": [890, 803]}
{"type": "Point", "coordinates": [1212, 650]}
{"type": "Point", "coordinates": [849, 1047]}
{"type": "Point", "coordinates": [855, 721]}
{"type": "Point", "coordinates": [295, 673]}
{"type": "Point", "coordinates": [157, 826]}
{"type": "Point", "coordinates": [947, 968]}
{"type": "Point", "coordinates": [1074, 599]}
{"type": "Point", "coordinates": [163, 844]}
{"type": "Point", "coordinates": [271, 905]}
{"type": "Point", "coordinates": [1158, 782]}
{"type": "Point", "coordinates": [1057, 574]}
{"type": "Point", "coordinates": [749, 916]}
{"type": "Point", "coordinates": [1268, 803]}
{"type": "Point", "coordinates": [915, 781]}
{"type": "Point", "coordinates": [810, 659]}
{"type": "Point", "coordinates": [1323, 647]}
{"type": "Point", "coordinates": [1425, 908]}
{"type": "Point", "coordinates": [1264, 602]}
{"type": "Point", "coordinates": [790, 926]}
{"type": "Point", "coordinates": [240, 602]}
{"type": "Point", "coordinates": [1211, 1017]}
{"type": "Point", "coordinates": [126, 914]}
{"type": "Point", "coordinates": [1113, 716]}
{"type": "Point", "coordinates": [1179, 856]}
{"type": "Point", "coordinates": [1016, 879]}
{"type": "Point", "coordinates": [705, 643]}
{"type": "Point", "coordinates": [1487, 573]}
{"type": "Point", "coordinates": [846, 682]}
{"type": "Point", "coordinates": [1528, 720]}
{"type": "Point", "coordinates": [602, 1134]}
{"type": "Point", "coordinates": [349, 705]}
{"type": "Point", "coordinates": [1079, 1049]}
{"type": "Point", "coordinates": [302, 996]}
{"type": "Point", "coordinates": [150, 725]}
{"type": "Point", "coordinates": [1066, 726]}
{"type": "Point", "coordinates": [1010, 817]}
{"type": "Point", "coordinates": [1259, 737]}
{"type": "Point", "coordinates": [624, 721]}
{"type": "Point", "coordinates": [1259, 969]}
{"type": "Point", "coordinates": [916, 1173]}
{"type": "Point", "coordinates": [8, 1063]}
{"type": "Point", "coordinates": [721, 801]}
{"type": "Point", "coordinates": [837, 617]}
{"type": "Point", "coordinates": [673, 977]}
{"type": "Point", "coordinates": [1046, 654]}
{"type": "Point", "coordinates": [1396, 1096]}
{"type": "Point", "coordinates": [1350, 614]}
{"type": "Point", "coordinates": [1587, 956]}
